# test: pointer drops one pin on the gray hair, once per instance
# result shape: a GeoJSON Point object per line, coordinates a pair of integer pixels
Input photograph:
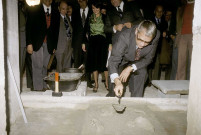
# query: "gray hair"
{"type": "Point", "coordinates": [148, 27]}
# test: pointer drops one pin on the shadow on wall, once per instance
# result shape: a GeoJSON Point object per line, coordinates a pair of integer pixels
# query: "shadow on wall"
{"type": "Point", "coordinates": [6, 69]}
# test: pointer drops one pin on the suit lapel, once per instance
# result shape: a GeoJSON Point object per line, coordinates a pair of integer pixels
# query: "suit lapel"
{"type": "Point", "coordinates": [42, 16]}
{"type": "Point", "coordinates": [125, 8]}
{"type": "Point", "coordinates": [114, 10]}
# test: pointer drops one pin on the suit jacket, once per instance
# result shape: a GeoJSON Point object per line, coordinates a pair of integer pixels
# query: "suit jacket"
{"type": "Point", "coordinates": [131, 13]}
{"type": "Point", "coordinates": [79, 32]}
{"type": "Point", "coordinates": [63, 41]}
{"type": "Point", "coordinates": [123, 51]}
{"type": "Point", "coordinates": [162, 26]}
{"type": "Point", "coordinates": [36, 28]}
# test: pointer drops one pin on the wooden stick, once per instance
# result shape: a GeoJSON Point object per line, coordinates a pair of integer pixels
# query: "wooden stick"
{"type": "Point", "coordinates": [56, 82]}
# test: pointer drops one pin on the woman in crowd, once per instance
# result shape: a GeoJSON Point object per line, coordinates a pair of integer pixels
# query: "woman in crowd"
{"type": "Point", "coordinates": [97, 50]}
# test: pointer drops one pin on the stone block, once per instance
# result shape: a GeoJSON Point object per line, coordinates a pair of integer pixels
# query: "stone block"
{"type": "Point", "coordinates": [172, 86]}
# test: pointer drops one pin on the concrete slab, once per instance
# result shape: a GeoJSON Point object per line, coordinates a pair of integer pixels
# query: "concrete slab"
{"type": "Point", "coordinates": [96, 116]}
{"type": "Point", "coordinates": [172, 86]}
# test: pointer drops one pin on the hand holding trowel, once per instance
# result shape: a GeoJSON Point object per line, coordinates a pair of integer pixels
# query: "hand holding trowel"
{"type": "Point", "coordinates": [119, 91]}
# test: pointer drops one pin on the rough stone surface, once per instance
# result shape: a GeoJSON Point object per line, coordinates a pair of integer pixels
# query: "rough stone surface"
{"type": "Point", "coordinates": [172, 86]}
{"type": "Point", "coordinates": [2, 78]}
{"type": "Point", "coordinates": [12, 47]}
{"type": "Point", "coordinates": [194, 105]}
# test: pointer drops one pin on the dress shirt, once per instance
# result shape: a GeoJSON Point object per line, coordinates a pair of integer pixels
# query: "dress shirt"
{"type": "Point", "coordinates": [121, 6]}
{"type": "Point", "coordinates": [85, 11]}
{"type": "Point", "coordinates": [158, 20]}
{"type": "Point", "coordinates": [62, 16]}
{"type": "Point", "coordinates": [45, 8]}
{"type": "Point", "coordinates": [70, 18]}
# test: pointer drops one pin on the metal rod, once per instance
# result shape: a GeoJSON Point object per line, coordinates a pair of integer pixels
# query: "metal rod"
{"type": "Point", "coordinates": [17, 91]}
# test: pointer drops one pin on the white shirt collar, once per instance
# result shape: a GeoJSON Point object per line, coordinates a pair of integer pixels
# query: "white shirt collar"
{"type": "Point", "coordinates": [85, 11]}
{"type": "Point", "coordinates": [62, 16]}
{"type": "Point", "coordinates": [69, 18]}
{"type": "Point", "coordinates": [121, 6]}
{"type": "Point", "coordinates": [45, 8]}
{"type": "Point", "coordinates": [158, 19]}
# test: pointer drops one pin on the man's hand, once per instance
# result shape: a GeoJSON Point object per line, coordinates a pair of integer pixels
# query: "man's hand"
{"type": "Point", "coordinates": [30, 49]}
{"type": "Point", "coordinates": [54, 51]}
{"type": "Point", "coordinates": [164, 34]}
{"type": "Point", "coordinates": [110, 47]}
{"type": "Point", "coordinates": [125, 73]}
{"type": "Point", "coordinates": [118, 89]}
{"type": "Point", "coordinates": [83, 47]}
{"type": "Point", "coordinates": [172, 37]}
{"type": "Point", "coordinates": [118, 27]}
{"type": "Point", "coordinates": [128, 25]}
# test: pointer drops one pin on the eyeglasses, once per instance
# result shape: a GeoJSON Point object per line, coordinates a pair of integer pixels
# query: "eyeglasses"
{"type": "Point", "coordinates": [141, 40]}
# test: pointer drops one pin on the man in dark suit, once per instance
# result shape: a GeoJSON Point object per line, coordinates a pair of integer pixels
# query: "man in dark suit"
{"type": "Point", "coordinates": [122, 15]}
{"type": "Point", "coordinates": [80, 19]}
{"type": "Point", "coordinates": [40, 40]}
{"type": "Point", "coordinates": [64, 48]}
{"type": "Point", "coordinates": [158, 19]}
{"type": "Point", "coordinates": [80, 24]}
{"type": "Point", "coordinates": [131, 54]}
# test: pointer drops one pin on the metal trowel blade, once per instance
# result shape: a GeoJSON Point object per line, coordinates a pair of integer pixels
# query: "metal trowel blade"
{"type": "Point", "coordinates": [119, 108]}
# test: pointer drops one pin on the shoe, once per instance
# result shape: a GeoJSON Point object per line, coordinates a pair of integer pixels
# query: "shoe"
{"type": "Point", "coordinates": [43, 90]}
{"type": "Point", "coordinates": [106, 87]}
{"type": "Point", "coordinates": [103, 80]}
{"type": "Point", "coordinates": [95, 89]}
{"type": "Point", "coordinates": [149, 84]}
{"type": "Point", "coordinates": [90, 85]}
{"type": "Point", "coordinates": [108, 95]}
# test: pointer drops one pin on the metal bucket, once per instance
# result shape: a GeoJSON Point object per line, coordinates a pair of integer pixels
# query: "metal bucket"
{"type": "Point", "coordinates": [68, 81]}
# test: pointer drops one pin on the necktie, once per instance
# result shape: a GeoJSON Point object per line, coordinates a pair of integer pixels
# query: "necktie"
{"type": "Point", "coordinates": [158, 21]}
{"type": "Point", "coordinates": [119, 11]}
{"type": "Point", "coordinates": [137, 54]}
{"type": "Point", "coordinates": [83, 17]}
{"type": "Point", "coordinates": [47, 13]}
{"type": "Point", "coordinates": [68, 33]}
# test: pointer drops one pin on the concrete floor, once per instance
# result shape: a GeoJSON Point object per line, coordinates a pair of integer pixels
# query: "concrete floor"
{"type": "Point", "coordinates": [94, 114]}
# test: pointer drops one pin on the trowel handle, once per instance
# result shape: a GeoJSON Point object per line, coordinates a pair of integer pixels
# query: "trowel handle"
{"type": "Point", "coordinates": [119, 99]}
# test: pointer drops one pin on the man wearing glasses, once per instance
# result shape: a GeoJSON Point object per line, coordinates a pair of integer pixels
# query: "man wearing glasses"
{"type": "Point", "coordinates": [131, 54]}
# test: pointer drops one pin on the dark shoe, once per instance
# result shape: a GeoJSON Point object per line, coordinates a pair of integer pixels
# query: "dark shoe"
{"type": "Point", "coordinates": [106, 87]}
{"type": "Point", "coordinates": [90, 85]}
{"type": "Point", "coordinates": [43, 90]}
{"type": "Point", "coordinates": [108, 95]}
{"type": "Point", "coordinates": [149, 84]}
{"type": "Point", "coordinates": [95, 89]}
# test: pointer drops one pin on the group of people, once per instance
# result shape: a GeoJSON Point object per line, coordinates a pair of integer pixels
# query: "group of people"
{"type": "Point", "coordinates": [84, 37]}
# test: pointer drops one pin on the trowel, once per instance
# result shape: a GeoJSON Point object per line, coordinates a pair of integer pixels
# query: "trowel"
{"type": "Point", "coordinates": [118, 107]}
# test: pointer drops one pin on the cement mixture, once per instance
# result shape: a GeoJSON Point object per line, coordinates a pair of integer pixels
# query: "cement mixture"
{"type": "Point", "coordinates": [101, 119]}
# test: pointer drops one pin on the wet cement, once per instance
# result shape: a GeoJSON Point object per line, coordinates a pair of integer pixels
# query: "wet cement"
{"type": "Point", "coordinates": [101, 119]}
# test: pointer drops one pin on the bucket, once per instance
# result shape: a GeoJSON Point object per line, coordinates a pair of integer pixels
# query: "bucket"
{"type": "Point", "coordinates": [69, 80]}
